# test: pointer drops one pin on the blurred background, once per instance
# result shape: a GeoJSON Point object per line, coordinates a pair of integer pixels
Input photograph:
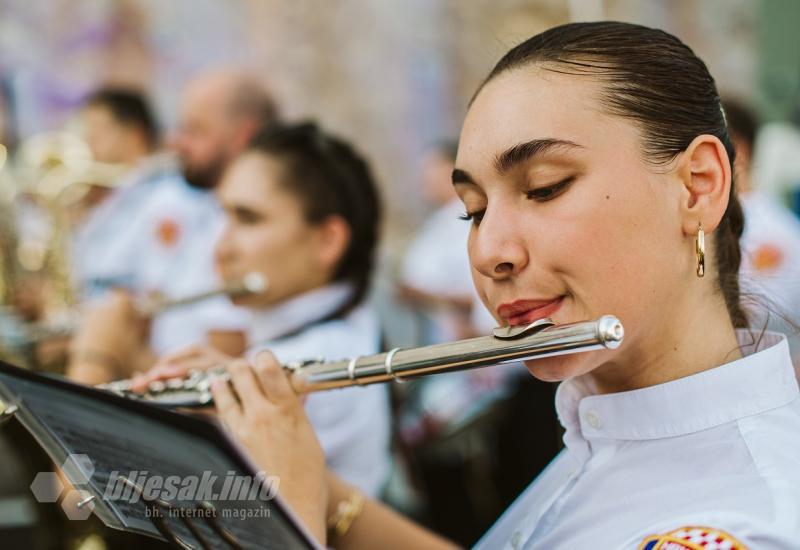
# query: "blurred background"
{"type": "Point", "coordinates": [394, 78]}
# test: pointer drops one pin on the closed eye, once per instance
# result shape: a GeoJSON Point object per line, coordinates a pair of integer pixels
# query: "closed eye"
{"type": "Point", "coordinates": [246, 216]}
{"type": "Point", "coordinates": [544, 194]}
{"type": "Point", "coordinates": [474, 217]}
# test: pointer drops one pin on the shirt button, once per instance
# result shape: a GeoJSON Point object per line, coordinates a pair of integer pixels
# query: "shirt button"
{"type": "Point", "coordinates": [516, 539]}
{"type": "Point", "coordinates": [593, 420]}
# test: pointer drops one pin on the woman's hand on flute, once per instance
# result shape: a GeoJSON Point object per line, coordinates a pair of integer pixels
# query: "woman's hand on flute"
{"type": "Point", "coordinates": [263, 412]}
{"type": "Point", "coordinates": [179, 364]}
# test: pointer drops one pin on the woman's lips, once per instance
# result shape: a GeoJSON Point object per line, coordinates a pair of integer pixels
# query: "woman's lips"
{"type": "Point", "coordinates": [525, 312]}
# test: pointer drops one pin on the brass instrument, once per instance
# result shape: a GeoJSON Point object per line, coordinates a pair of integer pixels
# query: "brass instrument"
{"type": "Point", "coordinates": [6, 232]}
{"type": "Point", "coordinates": [59, 166]}
{"type": "Point", "coordinates": [40, 187]}
{"type": "Point", "coordinates": [506, 344]}
{"type": "Point", "coordinates": [53, 172]}
{"type": "Point", "coordinates": [12, 338]}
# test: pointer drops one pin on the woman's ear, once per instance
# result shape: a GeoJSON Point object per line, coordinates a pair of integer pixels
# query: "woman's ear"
{"type": "Point", "coordinates": [333, 239]}
{"type": "Point", "coordinates": [705, 171]}
{"type": "Point", "coordinates": [242, 135]}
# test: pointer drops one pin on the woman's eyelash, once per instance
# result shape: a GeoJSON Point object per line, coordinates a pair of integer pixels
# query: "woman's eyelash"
{"type": "Point", "coordinates": [551, 191]}
{"type": "Point", "coordinates": [474, 217]}
{"type": "Point", "coordinates": [248, 218]}
{"type": "Point", "coordinates": [542, 194]}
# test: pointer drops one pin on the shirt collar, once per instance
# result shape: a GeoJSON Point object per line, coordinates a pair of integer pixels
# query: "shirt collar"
{"type": "Point", "coordinates": [288, 316]}
{"type": "Point", "coordinates": [761, 380]}
{"type": "Point", "coordinates": [149, 169]}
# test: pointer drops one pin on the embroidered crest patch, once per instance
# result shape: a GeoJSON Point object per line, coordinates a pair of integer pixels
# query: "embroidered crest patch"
{"type": "Point", "coordinates": [168, 232]}
{"type": "Point", "coordinates": [692, 538]}
{"type": "Point", "coordinates": [767, 257]}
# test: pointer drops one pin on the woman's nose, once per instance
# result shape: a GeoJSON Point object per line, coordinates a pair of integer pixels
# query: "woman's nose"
{"type": "Point", "coordinates": [223, 251]}
{"type": "Point", "coordinates": [497, 248]}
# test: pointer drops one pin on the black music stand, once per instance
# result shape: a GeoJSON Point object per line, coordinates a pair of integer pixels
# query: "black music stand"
{"type": "Point", "coordinates": [114, 448]}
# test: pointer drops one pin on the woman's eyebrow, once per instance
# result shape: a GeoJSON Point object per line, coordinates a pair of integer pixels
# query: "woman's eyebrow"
{"type": "Point", "coordinates": [461, 176]}
{"type": "Point", "coordinates": [240, 210]}
{"type": "Point", "coordinates": [525, 151]}
{"type": "Point", "coordinates": [517, 154]}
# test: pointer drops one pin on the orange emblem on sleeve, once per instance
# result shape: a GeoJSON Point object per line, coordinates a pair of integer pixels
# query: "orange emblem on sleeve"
{"type": "Point", "coordinates": [168, 232]}
{"type": "Point", "coordinates": [692, 538]}
{"type": "Point", "coordinates": [767, 257]}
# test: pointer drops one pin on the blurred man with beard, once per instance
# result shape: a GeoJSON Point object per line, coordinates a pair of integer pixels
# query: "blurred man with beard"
{"type": "Point", "coordinates": [171, 254]}
{"type": "Point", "coordinates": [221, 112]}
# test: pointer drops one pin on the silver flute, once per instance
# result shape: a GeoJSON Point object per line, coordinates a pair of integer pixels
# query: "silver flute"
{"type": "Point", "coordinates": [540, 339]}
{"type": "Point", "coordinates": [252, 283]}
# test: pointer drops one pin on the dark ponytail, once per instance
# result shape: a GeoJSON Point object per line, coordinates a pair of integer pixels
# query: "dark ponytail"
{"type": "Point", "coordinates": [654, 79]}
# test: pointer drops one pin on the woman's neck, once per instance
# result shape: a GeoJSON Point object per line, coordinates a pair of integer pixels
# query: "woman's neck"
{"type": "Point", "coordinates": [686, 344]}
{"type": "Point", "coordinates": [297, 311]}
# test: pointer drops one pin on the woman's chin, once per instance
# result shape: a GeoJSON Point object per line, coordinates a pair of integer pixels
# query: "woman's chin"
{"type": "Point", "coordinates": [556, 369]}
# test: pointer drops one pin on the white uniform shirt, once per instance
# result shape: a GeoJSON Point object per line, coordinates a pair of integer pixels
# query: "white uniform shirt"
{"type": "Point", "coordinates": [159, 236]}
{"type": "Point", "coordinates": [352, 424]}
{"type": "Point", "coordinates": [437, 259]}
{"type": "Point", "coordinates": [712, 457]}
{"type": "Point", "coordinates": [437, 262]}
{"type": "Point", "coordinates": [103, 244]}
{"type": "Point", "coordinates": [771, 261]}
{"type": "Point", "coordinates": [183, 227]}
{"type": "Point", "coordinates": [776, 158]}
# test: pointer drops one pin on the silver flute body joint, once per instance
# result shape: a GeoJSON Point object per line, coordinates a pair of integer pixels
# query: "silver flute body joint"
{"type": "Point", "coordinates": [506, 345]}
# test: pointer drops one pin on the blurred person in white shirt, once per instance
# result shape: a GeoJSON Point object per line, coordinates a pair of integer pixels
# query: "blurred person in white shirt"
{"type": "Point", "coordinates": [435, 277]}
{"type": "Point", "coordinates": [168, 250]}
{"type": "Point", "coordinates": [770, 269]}
{"type": "Point", "coordinates": [776, 157]}
{"type": "Point", "coordinates": [302, 210]}
{"type": "Point", "coordinates": [120, 129]}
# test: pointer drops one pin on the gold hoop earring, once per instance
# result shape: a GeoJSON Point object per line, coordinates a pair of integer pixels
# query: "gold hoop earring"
{"type": "Point", "coordinates": [700, 250]}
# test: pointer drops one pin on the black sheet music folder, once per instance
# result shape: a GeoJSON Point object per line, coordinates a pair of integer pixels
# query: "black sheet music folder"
{"type": "Point", "coordinates": [130, 443]}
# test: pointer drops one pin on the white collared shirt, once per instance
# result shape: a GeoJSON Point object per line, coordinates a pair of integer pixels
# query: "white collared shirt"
{"type": "Point", "coordinates": [437, 259]}
{"type": "Point", "coordinates": [103, 244]}
{"type": "Point", "coordinates": [352, 424]}
{"type": "Point", "coordinates": [158, 235]}
{"type": "Point", "coordinates": [437, 263]}
{"type": "Point", "coordinates": [771, 262]}
{"type": "Point", "coordinates": [710, 457]}
{"type": "Point", "coordinates": [185, 266]}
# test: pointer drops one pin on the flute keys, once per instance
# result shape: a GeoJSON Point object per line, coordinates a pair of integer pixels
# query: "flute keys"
{"type": "Point", "coordinates": [205, 398]}
{"type": "Point", "coordinates": [297, 365]}
{"type": "Point", "coordinates": [156, 387]}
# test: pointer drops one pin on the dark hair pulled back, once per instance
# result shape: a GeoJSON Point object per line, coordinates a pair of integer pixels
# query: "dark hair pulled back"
{"type": "Point", "coordinates": [654, 79]}
{"type": "Point", "coordinates": [129, 107]}
{"type": "Point", "coordinates": [330, 179]}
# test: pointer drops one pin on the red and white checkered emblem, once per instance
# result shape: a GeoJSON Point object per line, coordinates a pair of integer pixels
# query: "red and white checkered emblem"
{"type": "Point", "coordinates": [692, 538]}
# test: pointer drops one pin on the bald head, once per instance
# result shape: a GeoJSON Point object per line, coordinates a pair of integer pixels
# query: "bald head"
{"type": "Point", "coordinates": [237, 93]}
{"type": "Point", "coordinates": [220, 112]}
